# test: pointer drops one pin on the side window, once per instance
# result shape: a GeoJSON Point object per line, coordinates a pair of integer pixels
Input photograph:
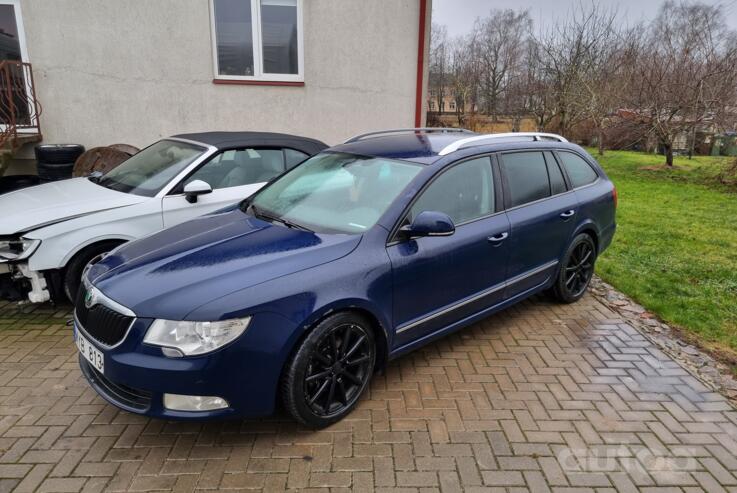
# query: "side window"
{"type": "Point", "coordinates": [235, 168]}
{"type": "Point", "coordinates": [294, 157]}
{"type": "Point", "coordinates": [527, 177]}
{"type": "Point", "coordinates": [579, 171]}
{"type": "Point", "coordinates": [557, 183]}
{"type": "Point", "coordinates": [464, 192]}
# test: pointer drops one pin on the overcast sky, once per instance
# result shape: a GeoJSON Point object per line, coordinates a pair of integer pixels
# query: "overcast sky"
{"type": "Point", "coordinates": [459, 15]}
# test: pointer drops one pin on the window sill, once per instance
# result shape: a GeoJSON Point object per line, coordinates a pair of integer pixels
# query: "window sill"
{"type": "Point", "coordinates": [237, 82]}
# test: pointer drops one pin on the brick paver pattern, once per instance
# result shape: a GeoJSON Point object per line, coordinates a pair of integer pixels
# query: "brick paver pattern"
{"type": "Point", "coordinates": [540, 397]}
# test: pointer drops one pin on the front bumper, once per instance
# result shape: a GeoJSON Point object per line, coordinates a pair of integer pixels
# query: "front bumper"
{"type": "Point", "coordinates": [245, 373]}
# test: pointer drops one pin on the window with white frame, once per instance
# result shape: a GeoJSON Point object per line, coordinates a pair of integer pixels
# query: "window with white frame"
{"type": "Point", "coordinates": [258, 39]}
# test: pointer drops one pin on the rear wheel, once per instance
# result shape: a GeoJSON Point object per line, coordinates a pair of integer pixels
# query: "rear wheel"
{"type": "Point", "coordinates": [330, 370]}
{"type": "Point", "coordinates": [76, 266]}
{"type": "Point", "coordinates": [576, 270]}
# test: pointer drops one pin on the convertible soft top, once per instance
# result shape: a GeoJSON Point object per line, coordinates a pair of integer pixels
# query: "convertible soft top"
{"type": "Point", "coordinates": [233, 140]}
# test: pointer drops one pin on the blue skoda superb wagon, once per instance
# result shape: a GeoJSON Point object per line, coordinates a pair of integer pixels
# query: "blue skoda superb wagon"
{"type": "Point", "coordinates": [361, 253]}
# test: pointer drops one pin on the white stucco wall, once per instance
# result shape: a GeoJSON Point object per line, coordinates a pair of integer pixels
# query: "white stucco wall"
{"type": "Point", "coordinates": [133, 71]}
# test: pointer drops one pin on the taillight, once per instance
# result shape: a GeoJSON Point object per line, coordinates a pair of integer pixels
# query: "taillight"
{"type": "Point", "coordinates": [614, 196]}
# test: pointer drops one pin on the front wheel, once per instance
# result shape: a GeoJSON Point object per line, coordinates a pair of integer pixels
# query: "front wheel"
{"type": "Point", "coordinates": [75, 268]}
{"type": "Point", "coordinates": [330, 370]}
{"type": "Point", "coordinates": [576, 270]}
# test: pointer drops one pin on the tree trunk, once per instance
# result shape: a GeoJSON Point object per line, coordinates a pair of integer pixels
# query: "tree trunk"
{"type": "Point", "coordinates": [669, 154]}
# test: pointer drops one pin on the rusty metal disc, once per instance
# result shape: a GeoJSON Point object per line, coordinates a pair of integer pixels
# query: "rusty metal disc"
{"type": "Point", "coordinates": [126, 148]}
{"type": "Point", "coordinates": [101, 159]}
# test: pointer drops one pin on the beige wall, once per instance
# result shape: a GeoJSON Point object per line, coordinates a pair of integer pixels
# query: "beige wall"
{"type": "Point", "coordinates": [133, 71]}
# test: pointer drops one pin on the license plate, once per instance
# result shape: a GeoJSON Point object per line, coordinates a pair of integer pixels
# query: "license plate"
{"type": "Point", "coordinates": [90, 353]}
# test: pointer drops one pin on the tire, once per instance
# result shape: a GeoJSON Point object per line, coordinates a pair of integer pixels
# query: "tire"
{"type": "Point", "coordinates": [54, 172]}
{"type": "Point", "coordinates": [319, 389]}
{"type": "Point", "coordinates": [58, 153]}
{"type": "Point", "coordinates": [75, 267]}
{"type": "Point", "coordinates": [576, 270]}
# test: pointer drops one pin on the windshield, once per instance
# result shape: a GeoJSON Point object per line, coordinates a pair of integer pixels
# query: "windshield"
{"type": "Point", "coordinates": [148, 171]}
{"type": "Point", "coordinates": [335, 192]}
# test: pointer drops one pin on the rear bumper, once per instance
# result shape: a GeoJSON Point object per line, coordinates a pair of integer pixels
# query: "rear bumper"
{"type": "Point", "coordinates": [606, 236]}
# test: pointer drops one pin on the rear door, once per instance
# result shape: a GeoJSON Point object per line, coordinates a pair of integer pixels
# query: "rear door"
{"type": "Point", "coordinates": [541, 210]}
{"type": "Point", "coordinates": [440, 280]}
{"type": "Point", "coordinates": [233, 175]}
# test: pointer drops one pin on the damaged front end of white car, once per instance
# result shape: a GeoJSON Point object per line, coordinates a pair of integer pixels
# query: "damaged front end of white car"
{"type": "Point", "coordinates": [17, 281]}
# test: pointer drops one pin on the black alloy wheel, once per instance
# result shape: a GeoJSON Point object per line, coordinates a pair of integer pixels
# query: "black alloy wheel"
{"type": "Point", "coordinates": [330, 370]}
{"type": "Point", "coordinates": [576, 270]}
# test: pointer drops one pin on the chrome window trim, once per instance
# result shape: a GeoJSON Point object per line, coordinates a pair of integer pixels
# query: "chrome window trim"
{"type": "Point", "coordinates": [478, 296]}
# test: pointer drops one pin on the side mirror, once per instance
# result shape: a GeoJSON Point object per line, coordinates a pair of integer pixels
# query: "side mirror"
{"type": "Point", "coordinates": [429, 223]}
{"type": "Point", "coordinates": [194, 189]}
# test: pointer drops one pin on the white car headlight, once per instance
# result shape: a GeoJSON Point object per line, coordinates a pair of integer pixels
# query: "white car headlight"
{"type": "Point", "coordinates": [183, 338]}
{"type": "Point", "coordinates": [17, 249]}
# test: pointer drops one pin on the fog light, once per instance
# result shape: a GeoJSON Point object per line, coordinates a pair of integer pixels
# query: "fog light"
{"type": "Point", "coordinates": [177, 402]}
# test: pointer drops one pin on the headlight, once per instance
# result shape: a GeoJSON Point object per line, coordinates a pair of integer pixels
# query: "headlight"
{"type": "Point", "coordinates": [17, 249]}
{"type": "Point", "coordinates": [191, 338]}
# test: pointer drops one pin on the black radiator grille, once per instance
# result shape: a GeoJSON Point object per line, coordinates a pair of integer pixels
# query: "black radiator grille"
{"type": "Point", "coordinates": [100, 322]}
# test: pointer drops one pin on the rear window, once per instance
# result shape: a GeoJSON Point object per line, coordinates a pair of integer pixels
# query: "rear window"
{"type": "Point", "coordinates": [527, 177]}
{"type": "Point", "coordinates": [579, 171]}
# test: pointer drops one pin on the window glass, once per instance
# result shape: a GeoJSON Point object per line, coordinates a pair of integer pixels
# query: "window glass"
{"type": "Point", "coordinates": [294, 157]}
{"type": "Point", "coordinates": [336, 192]}
{"type": "Point", "coordinates": [279, 36]}
{"type": "Point", "coordinates": [234, 35]}
{"type": "Point", "coordinates": [235, 168]}
{"type": "Point", "coordinates": [148, 171]}
{"type": "Point", "coordinates": [527, 177]}
{"type": "Point", "coordinates": [579, 171]}
{"type": "Point", "coordinates": [557, 183]}
{"type": "Point", "coordinates": [464, 192]}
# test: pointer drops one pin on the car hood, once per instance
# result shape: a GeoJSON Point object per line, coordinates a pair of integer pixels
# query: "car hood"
{"type": "Point", "coordinates": [169, 274]}
{"type": "Point", "coordinates": [42, 205]}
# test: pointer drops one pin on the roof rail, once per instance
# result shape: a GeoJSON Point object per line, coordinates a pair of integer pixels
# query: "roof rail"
{"type": "Point", "coordinates": [407, 130]}
{"type": "Point", "coordinates": [478, 139]}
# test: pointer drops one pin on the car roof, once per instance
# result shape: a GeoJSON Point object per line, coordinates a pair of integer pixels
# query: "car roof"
{"type": "Point", "coordinates": [233, 140]}
{"type": "Point", "coordinates": [425, 147]}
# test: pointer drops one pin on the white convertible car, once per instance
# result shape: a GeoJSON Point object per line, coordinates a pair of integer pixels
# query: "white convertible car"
{"type": "Point", "coordinates": [49, 233]}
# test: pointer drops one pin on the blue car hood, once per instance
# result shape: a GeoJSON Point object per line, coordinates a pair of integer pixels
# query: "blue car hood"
{"type": "Point", "coordinates": [169, 274]}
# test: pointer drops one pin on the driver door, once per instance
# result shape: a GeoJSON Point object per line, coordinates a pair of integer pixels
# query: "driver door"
{"type": "Point", "coordinates": [443, 279]}
{"type": "Point", "coordinates": [233, 175]}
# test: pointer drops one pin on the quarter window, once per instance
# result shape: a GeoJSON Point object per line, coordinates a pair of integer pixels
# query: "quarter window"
{"type": "Point", "coordinates": [258, 39]}
{"type": "Point", "coordinates": [464, 192]}
{"type": "Point", "coordinates": [235, 168]}
{"type": "Point", "coordinates": [579, 171]}
{"type": "Point", "coordinates": [527, 177]}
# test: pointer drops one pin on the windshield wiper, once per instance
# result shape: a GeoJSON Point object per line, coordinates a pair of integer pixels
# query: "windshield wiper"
{"type": "Point", "coordinates": [271, 218]}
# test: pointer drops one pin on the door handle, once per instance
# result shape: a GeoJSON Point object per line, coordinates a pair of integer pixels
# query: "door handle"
{"type": "Point", "coordinates": [567, 214]}
{"type": "Point", "coordinates": [497, 239]}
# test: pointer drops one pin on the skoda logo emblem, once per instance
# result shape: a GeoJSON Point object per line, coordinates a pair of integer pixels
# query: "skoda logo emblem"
{"type": "Point", "coordinates": [90, 298]}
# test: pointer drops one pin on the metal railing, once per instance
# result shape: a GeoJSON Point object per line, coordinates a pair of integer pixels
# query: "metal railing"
{"type": "Point", "coordinates": [19, 107]}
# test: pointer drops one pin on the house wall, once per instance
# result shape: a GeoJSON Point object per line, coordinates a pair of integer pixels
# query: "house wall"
{"type": "Point", "coordinates": [132, 71]}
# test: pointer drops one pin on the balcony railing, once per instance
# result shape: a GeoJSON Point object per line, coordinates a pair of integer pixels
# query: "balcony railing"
{"type": "Point", "coordinates": [19, 108]}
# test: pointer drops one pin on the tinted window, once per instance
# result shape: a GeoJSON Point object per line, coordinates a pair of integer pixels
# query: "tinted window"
{"type": "Point", "coordinates": [557, 183]}
{"type": "Point", "coordinates": [464, 192]}
{"type": "Point", "coordinates": [527, 177]}
{"type": "Point", "coordinates": [293, 157]}
{"type": "Point", "coordinates": [241, 167]}
{"type": "Point", "coordinates": [579, 171]}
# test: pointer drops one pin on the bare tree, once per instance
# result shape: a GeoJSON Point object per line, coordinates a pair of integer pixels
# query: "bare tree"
{"type": "Point", "coordinates": [499, 44]}
{"type": "Point", "coordinates": [687, 74]}
{"type": "Point", "coordinates": [439, 60]}
{"type": "Point", "coordinates": [464, 66]}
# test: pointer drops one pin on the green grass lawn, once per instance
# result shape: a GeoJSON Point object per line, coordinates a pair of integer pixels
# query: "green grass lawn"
{"type": "Point", "coordinates": [675, 250]}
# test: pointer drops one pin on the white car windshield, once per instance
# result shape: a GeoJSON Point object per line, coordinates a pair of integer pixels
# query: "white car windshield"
{"type": "Point", "coordinates": [148, 171]}
{"type": "Point", "coordinates": [334, 192]}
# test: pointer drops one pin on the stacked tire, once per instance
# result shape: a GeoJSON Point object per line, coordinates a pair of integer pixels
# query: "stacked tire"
{"type": "Point", "coordinates": [56, 161]}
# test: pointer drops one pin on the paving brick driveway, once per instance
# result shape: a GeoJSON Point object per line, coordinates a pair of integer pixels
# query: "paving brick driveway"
{"type": "Point", "coordinates": [540, 397]}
